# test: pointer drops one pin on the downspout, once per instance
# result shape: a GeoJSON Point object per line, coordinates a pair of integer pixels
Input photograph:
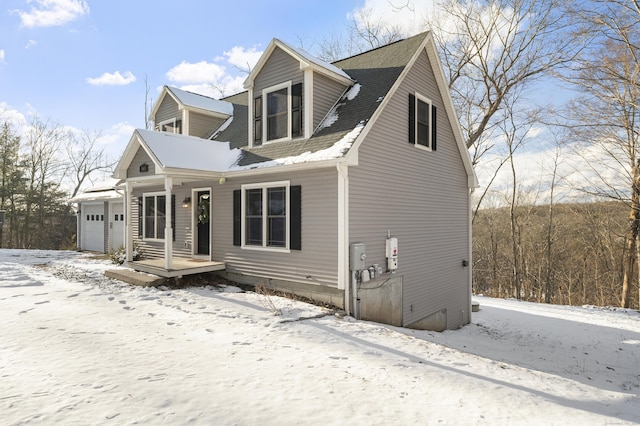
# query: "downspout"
{"type": "Point", "coordinates": [344, 281]}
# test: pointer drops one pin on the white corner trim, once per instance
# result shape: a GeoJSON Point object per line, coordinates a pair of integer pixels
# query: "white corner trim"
{"type": "Point", "coordinates": [308, 102]}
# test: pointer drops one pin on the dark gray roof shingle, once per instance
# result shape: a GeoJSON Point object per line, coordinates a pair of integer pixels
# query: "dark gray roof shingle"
{"type": "Point", "coordinates": [375, 71]}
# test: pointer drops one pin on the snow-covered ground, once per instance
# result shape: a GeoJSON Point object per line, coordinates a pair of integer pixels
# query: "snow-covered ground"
{"type": "Point", "coordinates": [78, 348]}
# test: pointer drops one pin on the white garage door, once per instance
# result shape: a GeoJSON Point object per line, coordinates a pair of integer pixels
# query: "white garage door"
{"type": "Point", "coordinates": [93, 227]}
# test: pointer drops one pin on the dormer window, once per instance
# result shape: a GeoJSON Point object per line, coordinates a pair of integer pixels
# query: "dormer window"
{"type": "Point", "coordinates": [278, 114]}
{"type": "Point", "coordinates": [172, 126]}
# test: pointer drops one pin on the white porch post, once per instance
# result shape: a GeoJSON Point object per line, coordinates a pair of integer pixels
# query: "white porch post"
{"type": "Point", "coordinates": [168, 230]}
{"type": "Point", "coordinates": [128, 242]}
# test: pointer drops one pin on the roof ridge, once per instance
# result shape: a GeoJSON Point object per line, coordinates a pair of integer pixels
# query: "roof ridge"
{"type": "Point", "coordinates": [422, 34]}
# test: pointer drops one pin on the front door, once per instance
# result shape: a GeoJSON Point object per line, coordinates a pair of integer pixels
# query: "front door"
{"type": "Point", "coordinates": [203, 215]}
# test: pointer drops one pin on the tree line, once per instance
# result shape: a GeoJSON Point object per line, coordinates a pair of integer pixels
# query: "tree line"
{"type": "Point", "coordinates": [40, 169]}
{"type": "Point", "coordinates": [572, 255]}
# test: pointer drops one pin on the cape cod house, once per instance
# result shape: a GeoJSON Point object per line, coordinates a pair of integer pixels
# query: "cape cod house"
{"type": "Point", "coordinates": [346, 182]}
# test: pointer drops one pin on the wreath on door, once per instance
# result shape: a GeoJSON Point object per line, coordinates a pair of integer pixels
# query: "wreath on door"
{"type": "Point", "coordinates": [203, 211]}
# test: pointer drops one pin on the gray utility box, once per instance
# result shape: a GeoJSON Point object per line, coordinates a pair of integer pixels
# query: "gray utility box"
{"type": "Point", "coordinates": [357, 257]}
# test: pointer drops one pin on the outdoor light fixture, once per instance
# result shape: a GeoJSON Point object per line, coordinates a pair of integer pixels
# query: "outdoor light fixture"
{"type": "Point", "coordinates": [186, 203]}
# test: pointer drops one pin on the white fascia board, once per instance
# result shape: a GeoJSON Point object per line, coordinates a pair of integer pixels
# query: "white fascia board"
{"type": "Point", "coordinates": [327, 73]}
{"type": "Point", "coordinates": [154, 110]}
{"type": "Point", "coordinates": [248, 82]}
{"type": "Point", "coordinates": [436, 66]}
{"type": "Point", "coordinates": [120, 171]}
{"type": "Point", "coordinates": [191, 173]}
{"type": "Point", "coordinates": [156, 161]}
{"type": "Point", "coordinates": [305, 62]}
{"type": "Point", "coordinates": [207, 112]}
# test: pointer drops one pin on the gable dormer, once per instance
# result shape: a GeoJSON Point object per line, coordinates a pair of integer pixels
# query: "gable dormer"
{"type": "Point", "coordinates": [182, 112]}
{"type": "Point", "coordinates": [290, 92]}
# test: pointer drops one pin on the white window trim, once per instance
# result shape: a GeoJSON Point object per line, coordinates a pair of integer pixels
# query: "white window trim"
{"type": "Point", "coordinates": [415, 130]}
{"type": "Point", "coordinates": [144, 215]}
{"type": "Point", "coordinates": [264, 187]}
{"type": "Point", "coordinates": [162, 123]}
{"type": "Point", "coordinates": [265, 92]}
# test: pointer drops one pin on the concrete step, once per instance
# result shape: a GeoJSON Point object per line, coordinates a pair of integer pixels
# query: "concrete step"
{"type": "Point", "coordinates": [135, 278]}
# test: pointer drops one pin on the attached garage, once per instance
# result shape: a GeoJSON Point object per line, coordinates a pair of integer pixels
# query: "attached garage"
{"type": "Point", "coordinates": [100, 218]}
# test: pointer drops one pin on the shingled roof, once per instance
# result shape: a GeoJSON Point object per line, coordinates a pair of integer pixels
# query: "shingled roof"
{"type": "Point", "coordinates": [374, 72]}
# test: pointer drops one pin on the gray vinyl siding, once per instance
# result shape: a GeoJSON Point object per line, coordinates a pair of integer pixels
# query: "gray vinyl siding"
{"type": "Point", "coordinates": [325, 94]}
{"type": "Point", "coordinates": [279, 68]}
{"type": "Point", "coordinates": [167, 110]}
{"type": "Point", "coordinates": [140, 158]}
{"type": "Point", "coordinates": [421, 198]}
{"type": "Point", "coordinates": [203, 126]}
{"type": "Point", "coordinates": [316, 263]}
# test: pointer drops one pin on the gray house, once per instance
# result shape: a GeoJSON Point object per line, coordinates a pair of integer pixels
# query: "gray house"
{"type": "Point", "coordinates": [347, 183]}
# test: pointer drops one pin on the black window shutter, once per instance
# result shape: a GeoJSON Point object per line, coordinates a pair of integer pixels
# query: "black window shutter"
{"type": "Point", "coordinates": [257, 123]}
{"type": "Point", "coordinates": [296, 110]}
{"type": "Point", "coordinates": [139, 217]}
{"type": "Point", "coordinates": [173, 215]}
{"type": "Point", "coordinates": [237, 217]}
{"type": "Point", "coordinates": [295, 232]}
{"type": "Point", "coordinates": [433, 127]}
{"type": "Point", "coordinates": [412, 119]}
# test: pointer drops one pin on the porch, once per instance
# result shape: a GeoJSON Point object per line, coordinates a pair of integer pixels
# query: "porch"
{"type": "Point", "coordinates": [179, 267]}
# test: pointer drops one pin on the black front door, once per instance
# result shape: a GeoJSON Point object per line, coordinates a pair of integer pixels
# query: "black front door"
{"type": "Point", "coordinates": [203, 213]}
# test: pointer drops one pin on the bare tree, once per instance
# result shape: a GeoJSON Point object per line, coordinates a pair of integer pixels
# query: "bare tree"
{"type": "Point", "coordinates": [148, 104]}
{"type": "Point", "coordinates": [514, 129]}
{"type": "Point", "coordinates": [43, 171]}
{"type": "Point", "coordinates": [607, 114]}
{"type": "Point", "coordinates": [490, 49]}
{"type": "Point", "coordinates": [365, 32]}
{"type": "Point", "coordinates": [85, 157]}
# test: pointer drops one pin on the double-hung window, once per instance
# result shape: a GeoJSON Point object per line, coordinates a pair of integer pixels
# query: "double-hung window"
{"type": "Point", "coordinates": [154, 215]}
{"type": "Point", "coordinates": [266, 215]}
{"type": "Point", "coordinates": [422, 131]}
{"type": "Point", "coordinates": [277, 113]}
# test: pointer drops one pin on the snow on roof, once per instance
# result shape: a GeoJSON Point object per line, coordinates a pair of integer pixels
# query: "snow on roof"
{"type": "Point", "coordinates": [201, 101]}
{"type": "Point", "coordinates": [332, 115]}
{"type": "Point", "coordinates": [96, 196]}
{"type": "Point", "coordinates": [310, 58]}
{"type": "Point", "coordinates": [335, 151]}
{"type": "Point", "coordinates": [189, 152]}
{"type": "Point", "coordinates": [105, 185]}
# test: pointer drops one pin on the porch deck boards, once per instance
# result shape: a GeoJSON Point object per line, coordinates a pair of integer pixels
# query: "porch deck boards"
{"type": "Point", "coordinates": [179, 267]}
